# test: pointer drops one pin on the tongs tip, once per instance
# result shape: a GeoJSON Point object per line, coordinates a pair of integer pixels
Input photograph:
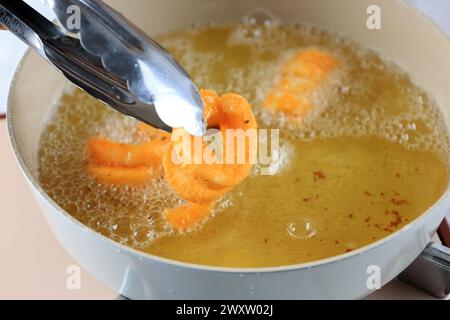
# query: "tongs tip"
{"type": "Point", "coordinates": [177, 112]}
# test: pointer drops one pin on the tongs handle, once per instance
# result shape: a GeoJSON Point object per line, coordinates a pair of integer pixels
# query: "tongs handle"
{"type": "Point", "coordinates": [27, 24]}
{"type": "Point", "coordinates": [68, 56]}
{"type": "Point", "coordinates": [112, 60]}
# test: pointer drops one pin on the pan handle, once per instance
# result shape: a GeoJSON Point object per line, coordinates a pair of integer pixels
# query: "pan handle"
{"type": "Point", "coordinates": [430, 272]}
{"type": "Point", "coordinates": [444, 231]}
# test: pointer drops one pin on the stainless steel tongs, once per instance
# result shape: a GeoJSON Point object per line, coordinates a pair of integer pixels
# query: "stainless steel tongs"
{"type": "Point", "coordinates": [111, 59]}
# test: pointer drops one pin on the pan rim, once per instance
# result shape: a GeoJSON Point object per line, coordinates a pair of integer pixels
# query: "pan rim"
{"type": "Point", "coordinates": [179, 264]}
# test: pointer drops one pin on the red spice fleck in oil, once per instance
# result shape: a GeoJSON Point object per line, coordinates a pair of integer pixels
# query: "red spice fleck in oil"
{"type": "Point", "coordinates": [393, 224]}
{"type": "Point", "coordinates": [398, 202]}
{"type": "Point", "coordinates": [318, 175]}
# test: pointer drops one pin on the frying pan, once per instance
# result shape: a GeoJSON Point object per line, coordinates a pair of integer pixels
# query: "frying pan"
{"type": "Point", "coordinates": [406, 37]}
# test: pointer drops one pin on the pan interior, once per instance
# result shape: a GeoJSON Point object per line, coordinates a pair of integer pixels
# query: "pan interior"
{"type": "Point", "coordinates": [370, 158]}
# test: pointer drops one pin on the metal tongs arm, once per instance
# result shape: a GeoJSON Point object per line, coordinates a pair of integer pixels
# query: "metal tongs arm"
{"type": "Point", "coordinates": [112, 60]}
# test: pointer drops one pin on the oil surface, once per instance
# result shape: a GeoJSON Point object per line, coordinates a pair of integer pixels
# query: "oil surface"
{"type": "Point", "coordinates": [370, 158]}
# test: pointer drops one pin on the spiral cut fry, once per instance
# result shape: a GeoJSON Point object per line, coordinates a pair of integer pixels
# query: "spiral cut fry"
{"type": "Point", "coordinates": [111, 153]}
{"type": "Point", "coordinates": [299, 78]}
{"type": "Point", "coordinates": [202, 183]}
{"type": "Point", "coordinates": [116, 163]}
{"type": "Point", "coordinates": [138, 176]}
{"type": "Point", "coordinates": [185, 217]}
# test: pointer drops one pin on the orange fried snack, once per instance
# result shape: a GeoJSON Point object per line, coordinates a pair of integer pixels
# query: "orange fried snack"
{"type": "Point", "coordinates": [200, 184]}
{"type": "Point", "coordinates": [188, 186]}
{"type": "Point", "coordinates": [111, 153]}
{"type": "Point", "coordinates": [117, 163]}
{"type": "Point", "coordinates": [185, 217]}
{"type": "Point", "coordinates": [205, 182]}
{"type": "Point", "coordinates": [235, 113]}
{"type": "Point", "coordinates": [300, 76]}
{"type": "Point", "coordinates": [137, 176]}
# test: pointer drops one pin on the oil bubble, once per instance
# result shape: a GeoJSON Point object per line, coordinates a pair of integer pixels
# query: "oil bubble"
{"type": "Point", "coordinates": [301, 228]}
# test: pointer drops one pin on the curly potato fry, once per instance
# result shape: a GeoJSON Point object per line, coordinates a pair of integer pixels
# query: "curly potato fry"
{"type": "Point", "coordinates": [187, 186]}
{"type": "Point", "coordinates": [137, 176]}
{"type": "Point", "coordinates": [200, 184]}
{"type": "Point", "coordinates": [300, 76]}
{"type": "Point", "coordinates": [185, 217]}
{"type": "Point", "coordinates": [111, 153]}
{"type": "Point", "coordinates": [230, 111]}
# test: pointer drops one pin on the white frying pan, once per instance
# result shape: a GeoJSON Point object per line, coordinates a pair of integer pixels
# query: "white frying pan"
{"type": "Point", "coordinates": [406, 37]}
